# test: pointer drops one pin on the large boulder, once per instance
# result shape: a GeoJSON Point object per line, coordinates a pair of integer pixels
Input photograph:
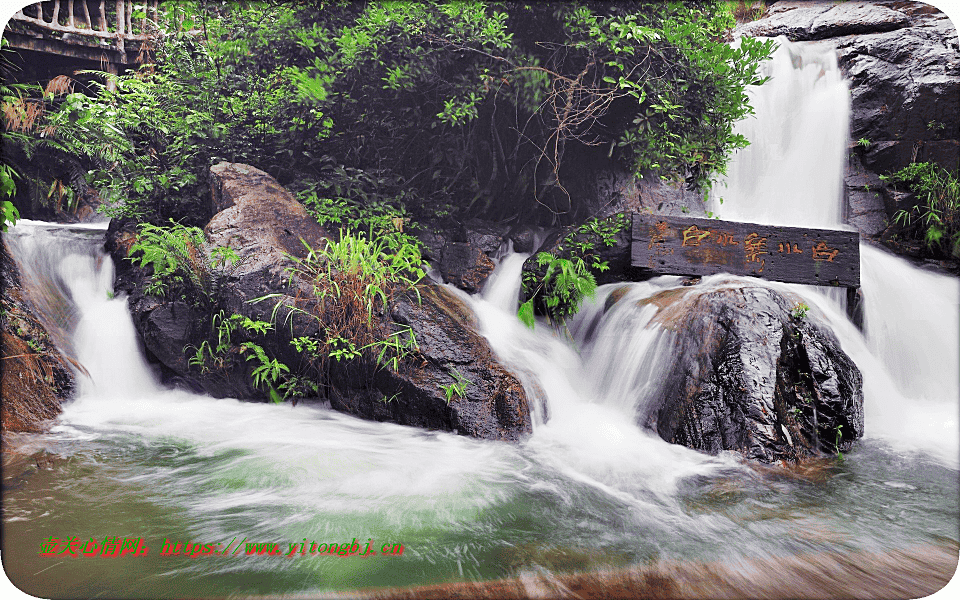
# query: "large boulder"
{"type": "Point", "coordinates": [750, 372]}
{"type": "Point", "coordinates": [270, 231]}
{"type": "Point", "coordinates": [492, 405]}
{"type": "Point", "coordinates": [805, 20]}
{"type": "Point", "coordinates": [36, 377]}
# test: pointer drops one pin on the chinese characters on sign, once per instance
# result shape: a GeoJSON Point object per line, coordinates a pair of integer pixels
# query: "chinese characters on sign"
{"type": "Point", "coordinates": [690, 246]}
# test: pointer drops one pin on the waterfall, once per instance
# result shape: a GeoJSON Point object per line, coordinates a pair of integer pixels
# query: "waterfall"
{"type": "Point", "coordinates": [588, 490]}
{"type": "Point", "coordinates": [792, 174]}
{"type": "Point", "coordinates": [792, 171]}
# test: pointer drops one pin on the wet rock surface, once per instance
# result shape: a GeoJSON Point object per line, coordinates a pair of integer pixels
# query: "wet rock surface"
{"type": "Point", "coordinates": [34, 376]}
{"type": "Point", "coordinates": [751, 375]}
{"type": "Point", "coordinates": [493, 404]}
{"type": "Point", "coordinates": [902, 61]}
{"type": "Point", "coordinates": [264, 225]}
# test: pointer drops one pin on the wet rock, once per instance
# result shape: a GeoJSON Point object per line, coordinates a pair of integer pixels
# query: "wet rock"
{"type": "Point", "coordinates": [170, 329]}
{"type": "Point", "coordinates": [863, 193]}
{"type": "Point", "coordinates": [487, 237]}
{"type": "Point", "coordinates": [752, 376]}
{"type": "Point", "coordinates": [265, 226]}
{"type": "Point", "coordinates": [462, 253]}
{"type": "Point", "coordinates": [905, 91]}
{"type": "Point", "coordinates": [801, 21]}
{"type": "Point", "coordinates": [524, 239]}
{"type": "Point", "coordinates": [34, 376]}
{"type": "Point", "coordinates": [451, 352]}
{"type": "Point", "coordinates": [433, 243]}
{"type": "Point", "coordinates": [465, 266]}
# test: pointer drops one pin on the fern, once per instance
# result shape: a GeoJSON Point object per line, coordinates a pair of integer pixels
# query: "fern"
{"type": "Point", "coordinates": [181, 264]}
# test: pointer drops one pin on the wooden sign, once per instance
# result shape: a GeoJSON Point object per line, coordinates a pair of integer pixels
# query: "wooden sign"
{"type": "Point", "coordinates": [688, 246]}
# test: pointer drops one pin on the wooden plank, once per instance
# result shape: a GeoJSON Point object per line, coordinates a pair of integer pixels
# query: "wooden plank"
{"type": "Point", "coordinates": [689, 246]}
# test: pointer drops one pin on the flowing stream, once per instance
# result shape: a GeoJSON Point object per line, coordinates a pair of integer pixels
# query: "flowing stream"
{"type": "Point", "coordinates": [587, 490]}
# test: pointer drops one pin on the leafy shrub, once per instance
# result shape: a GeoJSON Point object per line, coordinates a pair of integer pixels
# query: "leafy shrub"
{"type": "Point", "coordinates": [8, 212]}
{"type": "Point", "coordinates": [568, 274]}
{"type": "Point", "coordinates": [563, 287]}
{"type": "Point", "coordinates": [181, 266]}
{"type": "Point", "coordinates": [936, 218]}
{"type": "Point", "coordinates": [352, 281]}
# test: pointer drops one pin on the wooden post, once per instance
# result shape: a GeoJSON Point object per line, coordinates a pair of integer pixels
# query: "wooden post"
{"type": "Point", "coordinates": [121, 21]}
{"type": "Point", "coordinates": [129, 13]}
{"type": "Point", "coordinates": [56, 12]}
{"type": "Point", "coordinates": [86, 14]}
{"type": "Point", "coordinates": [102, 17]}
{"type": "Point", "coordinates": [70, 21]}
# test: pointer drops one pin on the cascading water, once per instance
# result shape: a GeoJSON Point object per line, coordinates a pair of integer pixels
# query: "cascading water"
{"type": "Point", "coordinates": [792, 174]}
{"type": "Point", "coordinates": [589, 489]}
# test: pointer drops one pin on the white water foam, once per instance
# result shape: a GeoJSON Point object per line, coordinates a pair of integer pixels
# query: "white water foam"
{"type": "Point", "coordinates": [792, 175]}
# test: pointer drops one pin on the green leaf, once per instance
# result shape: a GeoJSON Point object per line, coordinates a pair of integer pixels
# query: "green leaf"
{"type": "Point", "coordinates": [526, 314]}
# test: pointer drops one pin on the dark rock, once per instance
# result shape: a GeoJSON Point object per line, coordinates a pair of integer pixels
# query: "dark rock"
{"type": "Point", "coordinates": [465, 266]}
{"type": "Point", "coordinates": [800, 21]}
{"type": "Point", "coordinates": [433, 243]}
{"type": "Point", "coordinates": [168, 328]}
{"type": "Point", "coordinates": [904, 85]}
{"type": "Point", "coordinates": [894, 201]}
{"type": "Point", "coordinates": [750, 376]}
{"type": "Point", "coordinates": [266, 227]}
{"type": "Point", "coordinates": [665, 197]}
{"type": "Point", "coordinates": [863, 195]}
{"type": "Point", "coordinates": [887, 156]}
{"type": "Point", "coordinates": [488, 237]}
{"type": "Point", "coordinates": [494, 405]}
{"type": "Point", "coordinates": [524, 239]}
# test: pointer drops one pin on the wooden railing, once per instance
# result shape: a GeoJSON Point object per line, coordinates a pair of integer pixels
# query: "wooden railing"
{"type": "Point", "coordinates": [92, 18]}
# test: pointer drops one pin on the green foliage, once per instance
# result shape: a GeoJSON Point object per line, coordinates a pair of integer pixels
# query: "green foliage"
{"type": "Point", "coordinates": [483, 106]}
{"type": "Point", "coordinates": [268, 374]}
{"type": "Point", "coordinates": [182, 267]}
{"type": "Point", "coordinates": [8, 212]}
{"type": "Point", "coordinates": [351, 283]}
{"type": "Point", "coordinates": [936, 219]}
{"type": "Point", "coordinates": [458, 388]}
{"type": "Point", "coordinates": [52, 137]}
{"type": "Point", "coordinates": [568, 276]}
{"type": "Point", "coordinates": [800, 311]}
{"type": "Point", "coordinates": [525, 314]}
{"type": "Point", "coordinates": [564, 286]}
{"type": "Point", "coordinates": [687, 83]}
{"type": "Point", "coordinates": [208, 356]}
{"type": "Point", "coordinates": [363, 204]}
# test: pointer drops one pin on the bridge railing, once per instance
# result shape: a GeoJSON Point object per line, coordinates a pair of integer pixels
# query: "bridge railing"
{"type": "Point", "coordinates": [99, 18]}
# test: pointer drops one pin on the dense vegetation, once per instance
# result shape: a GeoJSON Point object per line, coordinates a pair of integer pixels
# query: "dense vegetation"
{"type": "Point", "coordinates": [935, 218]}
{"type": "Point", "coordinates": [378, 115]}
{"type": "Point", "coordinates": [472, 108]}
